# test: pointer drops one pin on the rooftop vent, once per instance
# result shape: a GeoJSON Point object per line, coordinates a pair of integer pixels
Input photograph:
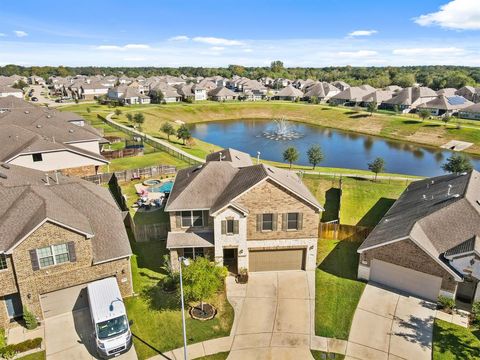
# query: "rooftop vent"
{"type": "Point", "coordinates": [456, 195]}
{"type": "Point", "coordinates": [27, 112]}
{"type": "Point", "coordinates": [5, 166]}
{"type": "Point", "coordinates": [49, 116]}
{"type": "Point", "coordinates": [449, 189]}
{"type": "Point", "coordinates": [3, 176]}
{"type": "Point", "coordinates": [70, 131]}
{"type": "Point", "coordinates": [39, 126]}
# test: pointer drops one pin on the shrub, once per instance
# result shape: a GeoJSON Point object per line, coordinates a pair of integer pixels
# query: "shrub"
{"type": "Point", "coordinates": [9, 354]}
{"type": "Point", "coordinates": [476, 311]}
{"type": "Point", "coordinates": [30, 319]}
{"type": "Point", "coordinates": [21, 347]}
{"type": "Point", "coordinates": [446, 303]}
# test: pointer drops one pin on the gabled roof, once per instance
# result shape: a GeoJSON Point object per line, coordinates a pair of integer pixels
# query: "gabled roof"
{"type": "Point", "coordinates": [409, 95]}
{"type": "Point", "coordinates": [221, 92]}
{"type": "Point", "coordinates": [28, 201]}
{"type": "Point", "coordinates": [225, 182]}
{"type": "Point", "coordinates": [289, 91]}
{"type": "Point", "coordinates": [439, 214]}
{"type": "Point", "coordinates": [236, 158]}
{"type": "Point", "coordinates": [378, 96]}
{"type": "Point", "coordinates": [475, 108]}
{"type": "Point", "coordinates": [467, 247]}
{"type": "Point", "coordinates": [354, 93]}
{"type": "Point", "coordinates": [443, 102]}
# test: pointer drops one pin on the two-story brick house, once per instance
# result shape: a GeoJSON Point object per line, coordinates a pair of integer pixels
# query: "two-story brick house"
{"type": "Point", "coordinates": [57, 233]}
{"type": "Point", "coordinates": [256, 217]}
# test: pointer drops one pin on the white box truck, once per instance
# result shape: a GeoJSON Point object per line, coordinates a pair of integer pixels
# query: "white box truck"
{"type": "Point", "coordinates": [112, 328]}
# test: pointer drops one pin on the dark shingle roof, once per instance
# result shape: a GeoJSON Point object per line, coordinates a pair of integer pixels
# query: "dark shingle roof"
{"type": "Point", "coordinates": [27, 201]}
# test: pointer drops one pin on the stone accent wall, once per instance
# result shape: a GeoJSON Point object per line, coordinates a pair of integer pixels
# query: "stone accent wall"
{"type": "Point", "coordinates": [268, 197]}
{"type": "Point", "coordinates": [407, 254]}
{"type": "Point", "coordinates": [31, 284]}
{"type": "Point", "coordinates": [80, 171]}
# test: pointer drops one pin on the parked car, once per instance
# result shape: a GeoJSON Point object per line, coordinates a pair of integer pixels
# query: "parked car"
{"type": "Point", "coordinates": [34, 99]}
{"type": "Point", "coordinates": [109, 318]}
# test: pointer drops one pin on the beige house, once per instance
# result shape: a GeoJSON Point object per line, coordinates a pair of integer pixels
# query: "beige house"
{"type": "Point", "coordinates": [53, 242]}
{"type": "Point", "coordinates": [241, 215]}
{"type": "Point", "coordinates": [428, 243]}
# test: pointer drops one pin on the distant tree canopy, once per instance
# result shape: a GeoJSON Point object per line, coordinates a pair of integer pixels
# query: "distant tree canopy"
{"type": "Point", "coordinates": [436, 77]}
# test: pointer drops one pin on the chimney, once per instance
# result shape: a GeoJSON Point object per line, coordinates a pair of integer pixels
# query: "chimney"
{"type": "Point", "coordinates": [48, 180]}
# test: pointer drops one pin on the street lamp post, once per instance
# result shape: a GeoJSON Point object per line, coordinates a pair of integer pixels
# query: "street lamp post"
{"type": "Point", "coordinates": [185, 261]}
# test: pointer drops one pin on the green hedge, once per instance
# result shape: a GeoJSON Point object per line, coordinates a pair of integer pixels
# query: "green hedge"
{"type": "Point", "coordinates": [22, 347]}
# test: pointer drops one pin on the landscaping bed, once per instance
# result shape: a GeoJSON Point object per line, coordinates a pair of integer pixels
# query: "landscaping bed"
{"type": "Point", "coordinates": [337, 292]}
{"type": "Point", "coordinates": [157, 316]}
{"type": "Point", "coordinates": [320, 355]}
{"type": "Point", "coordinates": [451, 342]}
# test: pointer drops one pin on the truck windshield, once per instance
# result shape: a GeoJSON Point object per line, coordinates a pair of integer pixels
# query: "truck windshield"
{"type": "Point", "coordinates": [112, 327]}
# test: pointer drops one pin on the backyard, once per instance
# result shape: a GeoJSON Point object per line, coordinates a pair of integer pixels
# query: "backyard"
{"type": "Point", "coordinates": [451, 342]}
{"type": "Point", "coordinates": [157, 316]}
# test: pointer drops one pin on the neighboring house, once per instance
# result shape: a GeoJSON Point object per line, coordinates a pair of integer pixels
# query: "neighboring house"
{"type": "Point", "coordinates": [192, 91]}
{"type": "Point", "coordinates": [92, 91]}
{"type": "Point", "coordinates": [447, 92]}
{"type": "Point", "coordinates": [470, 93]}
{"type": "Point", "coordinates": [409, 98]}
{"type": "Point", "coordinates": [9, 91]}
{"type": "Point", "coordinates": [10, 103]}
{"type": "Point", "coordinates": [127, 95]}
{"type": "Point", "coordinates": [36, 80]}
{"type": "Point", "coordinates": [341, 85]}
{"type": "Point", "coordinates": [350, 96]}
{"type": "Point", "coordinates": [289, 93]}
{"type": "Point", "coordinates": [54, 242]}
{"type": "Point", "coordinates": [445, 105]}
{"type": "Point", "coordinates": [428, 243]}
{"type": "Point", "coordinates": [222, 94]}
{"type": "Point", "coordinates": [377, 96]}
{"type": "Point", "coordinates": [255, 217]}
{"type": "Point", "coordinates": [471, 112]}
{"type": "Point", "coordinates": [321, 90]}
{"type": "Point", "coordinates": [48, 140]}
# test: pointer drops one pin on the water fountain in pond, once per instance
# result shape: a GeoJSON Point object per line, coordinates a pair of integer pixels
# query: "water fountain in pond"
{"type": "Point", "coordinates": [282, 130]}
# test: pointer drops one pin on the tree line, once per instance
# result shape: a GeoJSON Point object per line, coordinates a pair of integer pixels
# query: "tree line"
{"type": "Point", "coordinates": [436, 77]}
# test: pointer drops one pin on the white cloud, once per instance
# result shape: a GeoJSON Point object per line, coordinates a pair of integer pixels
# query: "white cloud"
{"type": "Point", "coordinates": [179, 38]}
{"type": "Point", "coordinates": [358, 53]}
{"type": "Point", "coordinates": [362, 33]}
{"type": "Point", "coordinates": [217, 48]}
{"type": "Point", "coordinates": [122, 48]}
{"type": "Point", "coordinates": [138, 58]}
{"type": "Point", "coordinates": [3, 34]}
{"type": "Point", "coordinates": [457, 14]}
{"type": "Point", "coordinates": [20, 33]}
{"type": "Point", "coordinates": [216, 41]}
{"type": "Point", "coordinates": [247, 50]}
{"type": "Point", "coordinates": [434, 51]}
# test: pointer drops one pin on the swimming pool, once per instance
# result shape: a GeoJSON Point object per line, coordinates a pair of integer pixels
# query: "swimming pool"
{"type": "Point", "coordinates": [164, 188]}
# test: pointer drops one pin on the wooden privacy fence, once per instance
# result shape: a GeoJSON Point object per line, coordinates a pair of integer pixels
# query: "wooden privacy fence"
{"type": "Point", "coordinates": [121, 153]}
{"type": "Point", "coordinates": [336, 231]}
{"type": "Point", "coordinates": [151, 232]}
{"type": "Point", "coordinates": [128, 175]}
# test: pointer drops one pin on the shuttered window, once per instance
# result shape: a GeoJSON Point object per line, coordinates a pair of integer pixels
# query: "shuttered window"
{"type": "Point", "coordinates": [53, 255]}
{"type": "Point", "coordinates": [267, 222]}
{"type": "Point", "coordinates": [230, 227]}
{"type": "Point", "coordinates": [292, 221]}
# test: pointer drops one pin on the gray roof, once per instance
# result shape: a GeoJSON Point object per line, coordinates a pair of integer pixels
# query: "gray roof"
{"type": "Point", "coordinates": [236, 158]}
{"type": "Point", "coordinates": [221, 91]}
{"type": "Point", "coordinates": [289, 91]}
{"type": "Point", "coordinates": [475, 108]}
{"type": "Point", "coordinates": [378, 96]}
{"type": "Point", "coordinates": [468, 246]}
{"type": "Point", "coordinates": [12, 102]}
{"type": "Point", "coordinates": [353, 93]}
{"type": "Point", "coordinates": [439, 213]}
{"type": "Point", "coordinates": [27, 201]}
{"type": "Point", "coordinates": [189, 239]}
{"type": "Point", "coordinates": [443, 102]}
{"type": "Point", "coordinates": [225, 182]}
{"type": "Point", "coordinates": [409, 95]}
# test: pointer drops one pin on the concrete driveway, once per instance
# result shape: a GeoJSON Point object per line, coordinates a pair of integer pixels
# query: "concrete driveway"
{"type": "Point", "coordinates": [390, 325]}
{"type": "Point", "coordinates": [70, 336]}
{"type": "Point", "coordinates": [273, 316]}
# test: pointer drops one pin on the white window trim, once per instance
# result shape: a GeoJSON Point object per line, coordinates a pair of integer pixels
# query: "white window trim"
{"type": "Point", "coordinates": [191, 219]}
{"type": "Point", "coordinates": [52, 247]}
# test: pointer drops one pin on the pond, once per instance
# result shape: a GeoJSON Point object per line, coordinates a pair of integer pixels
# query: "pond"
{"type": "Point", "coordinates": [341, 149]}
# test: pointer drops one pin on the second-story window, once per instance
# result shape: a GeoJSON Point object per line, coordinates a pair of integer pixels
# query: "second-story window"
{"type": "Point", "coordinates": [267, 222]}
{"type": "Point", "coordinates": [3, 261]}
{"type": "Point", "coordinates": [292, 221]}
{"type": "Point", "coordinates": [53, 255]}
{"type": "Point", "coordinates": [230, 226]}
{"type": "Point", "coordinates": [192, 218]}
{"type": "Point", "coordinates": [37, 157]}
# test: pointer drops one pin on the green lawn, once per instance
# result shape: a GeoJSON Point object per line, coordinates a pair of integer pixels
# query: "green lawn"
{"type": "Point", "coordinates": [364, 202]}
{"type": "Point", "coordinates": [320, 355]}
{"type": "Point", "coordinates": [453, 342]}
{"type": "Point", "coordinates": [40, 355]}
{"type": "Point", "coordinates": [157, 316]}
{"type": "Point", "coordinates": [337, 290]}
{"type": "Point", "coordinates": [151, 159]}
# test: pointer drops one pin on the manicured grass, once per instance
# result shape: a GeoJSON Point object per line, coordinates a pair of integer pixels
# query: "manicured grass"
{"type": "Point", "coordinates": [452, 342]}
{"type": "Point", "coordinates": [364, 202]}
{"type": "Point", "coordinates": [40, 355]}
{"type": "Point", "coordinates": [3, 338]}
{"type": "Point", "coordinates": [389, 125]}
{"type": "Point", "coordinates": [337, 290]}
{"type": "Point", "coordinates": [136, 162]}
{"type": "Point", "coordinates": [320, 355]}
{"type": "Point", "coordinates": [157, 316]}
{"type": "Point", "coordinates": [218, 356]}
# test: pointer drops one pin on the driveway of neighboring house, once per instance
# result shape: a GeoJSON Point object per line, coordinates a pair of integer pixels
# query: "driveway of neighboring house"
{"type": "Point", "coordinates": [390, 325]}
{"type": "Point", "coordinates": [70, 336]}
{"type": "Point", "coordinates": [273, 316]}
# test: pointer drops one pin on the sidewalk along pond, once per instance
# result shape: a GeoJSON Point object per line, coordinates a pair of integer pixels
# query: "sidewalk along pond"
{"type": "Point", "coordinates": [340, 148]}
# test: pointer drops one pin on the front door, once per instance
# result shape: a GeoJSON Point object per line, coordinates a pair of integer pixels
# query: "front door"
{"type": "Point", "coordinates": [230, 260]}
{"type": "Point", "coordinates": [14, 306]}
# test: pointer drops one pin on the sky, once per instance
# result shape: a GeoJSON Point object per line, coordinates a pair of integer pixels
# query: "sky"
{"type": "Point", "coordinates": [300, 33]}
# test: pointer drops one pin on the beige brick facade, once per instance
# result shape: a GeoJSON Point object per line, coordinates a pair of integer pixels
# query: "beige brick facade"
{"type": "Point", "coordinates": [268, 197]}
{"type": "Point", "coordinates": [407, 254]}
{"type": "Point", "coordinates": [32, 283]}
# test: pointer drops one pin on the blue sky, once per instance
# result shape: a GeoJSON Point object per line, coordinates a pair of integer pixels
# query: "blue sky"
{"type": "Point", "coordinates": [247, 32]}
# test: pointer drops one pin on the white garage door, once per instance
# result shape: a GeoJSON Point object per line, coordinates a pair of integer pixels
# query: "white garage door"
{"type": "Point", "coordinates": [408, 280]}
{"type": "Point", "coordinates": [65, 300]}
